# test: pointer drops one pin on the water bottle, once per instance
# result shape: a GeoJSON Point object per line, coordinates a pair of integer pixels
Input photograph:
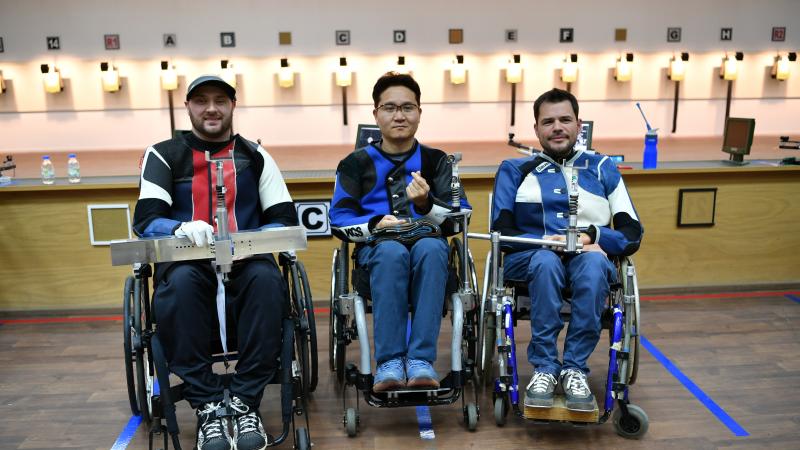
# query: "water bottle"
{"type": "Point", "coordinates": [650, 160]}
{"type": "Point", "coordinates": [73, 169]}
{"type": "Point", "coordinates": [48, 171]}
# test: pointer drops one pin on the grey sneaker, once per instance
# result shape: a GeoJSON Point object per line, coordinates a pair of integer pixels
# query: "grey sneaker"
{"type": "Point", "coordinates": [576, 390]}
{"type": "Point", "coordinates": [212, 431]}
{"type": "Point", "coordinates": [539, 393]}
{"type": "Point", "coordinates": [248, 431]}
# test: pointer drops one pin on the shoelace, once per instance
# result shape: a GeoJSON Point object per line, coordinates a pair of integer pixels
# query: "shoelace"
{"type": "Point", "coordinates": [541, 381]}
{"type": "Point", "coordinates": [576, 382]}
{"type": "Point", "coordinates": [212, 427]}
{"type": "Point", "coordinates": [248, 421]}
{"type": "Point", "coordinates": [392, 364]}
{"type": "Point", "coordinates": [417, 364]}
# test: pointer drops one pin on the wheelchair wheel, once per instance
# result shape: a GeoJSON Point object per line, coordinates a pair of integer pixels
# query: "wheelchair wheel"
{"type": "Point", "coordinates": [301, 439]}
{"type": "Point", "coordinates": [311, 337]}
{"type": "Point", "coordinates": [630, 283]}
{"type": "Point", "coordinates": [142, 363]}
{"type": "Point", "coordinates": [500, 411]}
{"type": "Point", "coordinates": [351, 422]}
{"type": "Point", "coordinates": [632, 425]}
{"type": "Point", "coordinates": [470, 328]}
{"type": "Point", "coordinates": [337, 346]}
{"type": "Point", "coordinates": [127, 329]}
{"type": "Point", "coordinates": [471, 416]}
{"type": "Point", "coordinates": [486, 329]}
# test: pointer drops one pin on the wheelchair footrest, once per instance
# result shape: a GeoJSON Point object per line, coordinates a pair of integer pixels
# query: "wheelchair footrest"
{"type": "Point", "coordinates": [560, 413]}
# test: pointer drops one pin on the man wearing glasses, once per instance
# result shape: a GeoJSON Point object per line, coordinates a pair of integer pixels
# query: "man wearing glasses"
{"type": "Point", "coordinates": [393, 182]}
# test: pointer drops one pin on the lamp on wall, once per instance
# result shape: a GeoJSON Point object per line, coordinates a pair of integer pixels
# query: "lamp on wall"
{"type": "Point", "coordinates": [677, 67]}
{"type": "Point", "coordinates": [780, 68]}
{"type": "Point", "coordinates": [401, 67]}
{"type": "Point", "coordinates": [676, 72]}
{"type": "Point", "coordinates": [110, 77]}
{"type": "Point", "coordinates": [623, 70]}
{"type": "Point", "coordinates": [169, 78]}
{"type": "Point", "coordinates": [729, 71]}
{"type": "Point", "coordinates": [285, 74]}
{"type": "Point", "coordinates": [569, 70]}
{"type": "Point", "coordinates": [227, 73]}
{"type": "Point", "coordinates": [2, 83]}
{"type": "Point", "coordinates": [514, 70]}
{"type": "Point", "coordinates": [344, 76]}
{"type": "Point", "coordinates": [730, 66]}
{"type": "Point", "coordinates": [458, 73]}
{"type": "Point", "coordinates": [53, 83]}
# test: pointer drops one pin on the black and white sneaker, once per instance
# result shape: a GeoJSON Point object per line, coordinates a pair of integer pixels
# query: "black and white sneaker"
{"type": "Point", "coordinates": [212, 431]}
{"type": "Point", "coordinates": [577, 394]}
{"type": "Point", "coordinates": [539, 393]}
{"type": "Point", "coordinates": [248, 431]}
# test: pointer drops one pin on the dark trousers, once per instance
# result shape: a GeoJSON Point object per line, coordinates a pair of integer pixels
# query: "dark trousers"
{"type": "Point", "coordinates": [187, 324]}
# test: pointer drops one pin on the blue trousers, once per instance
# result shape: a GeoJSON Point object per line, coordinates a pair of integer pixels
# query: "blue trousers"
{"type": "Point", "coordinates": [547, 273]}
{"type": "Point", "coordinates": [399, 276]}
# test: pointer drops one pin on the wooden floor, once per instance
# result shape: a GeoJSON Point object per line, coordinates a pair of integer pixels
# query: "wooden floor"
{"type": "Point", "coordinates": [62, 386]}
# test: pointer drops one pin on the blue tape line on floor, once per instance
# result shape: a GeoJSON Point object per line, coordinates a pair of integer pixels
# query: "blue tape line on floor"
{"type": "Point", "coordinates": [695, 390]}
{"type": "Point", "coordinates": [793, 297]}
{"type": "Point", "coordinates": [127, 434]}
{"type": "Point", "coordinates": [425, 423]}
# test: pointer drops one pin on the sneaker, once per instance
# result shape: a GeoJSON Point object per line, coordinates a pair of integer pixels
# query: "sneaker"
{"type": "Point", "coordinates": [248, 431]}
{"type": "Point", "coordinates": [421, 374]}
{"type": "Point", "coordinates": [390, 376]}
{"type": "Point", "coordinates": [539, 393]}
{"type": "Point", "coordinates": [576, 390]}
{"type": "Point", "coordinates": [212, 431]}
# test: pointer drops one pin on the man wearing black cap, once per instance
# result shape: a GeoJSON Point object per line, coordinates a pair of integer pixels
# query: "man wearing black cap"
{"type": "Point", "coordinates": [175, 198]}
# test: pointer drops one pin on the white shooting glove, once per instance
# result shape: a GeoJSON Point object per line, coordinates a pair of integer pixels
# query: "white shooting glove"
{"type": "Point", "coordinates": [198, 231]}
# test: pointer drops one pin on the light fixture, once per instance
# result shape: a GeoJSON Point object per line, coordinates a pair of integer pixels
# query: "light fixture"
{"type": "Point", "coordinates": [285, 74]}
{"type": "Point", "coordinates": [402, 68]}
{"type": "Point", "coordinates": [2, 83]}
{"type": "Point", "coordinates": [52, 79]}
{"type": "Point", "coordinates": [729, 69]}
{"type": "Point", "coordinates": [458, 73]}
{"type": "Point", "coordinates": [169, 78]}
{"type": "Point", "coordinates": [227, 74]}
{"type": "Point", "coordinates": [623, 70]}
{"type": "Point", "coordinates": [569, 69]}
{"type": "Point", "coordinates": [514, 70]}
{"type": "Point", "coordinates": [677, 67]}
{"type": "Point", "coordinates": [344, 76]}
{"type": "Point", "coordinates": [780, 69]}
{"type": "Point", "coordinates": [110, 77]}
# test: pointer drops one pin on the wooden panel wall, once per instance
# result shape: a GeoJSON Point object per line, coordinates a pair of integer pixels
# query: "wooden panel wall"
{"type": "Point", "coordinates": [48, 263]}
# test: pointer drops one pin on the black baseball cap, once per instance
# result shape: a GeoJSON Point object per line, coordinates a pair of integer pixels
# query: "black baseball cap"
{"type": "Point", "coordinates": [213, 80]}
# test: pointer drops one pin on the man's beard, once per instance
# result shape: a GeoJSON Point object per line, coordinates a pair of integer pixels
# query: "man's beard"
{"type": "Point", "coordinates": [223, 131]}
{"type": "Point", "coordinates": [560, 153]}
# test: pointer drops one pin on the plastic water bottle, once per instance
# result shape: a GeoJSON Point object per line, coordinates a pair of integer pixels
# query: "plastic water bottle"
{"type": "Point", "coordinates": [73, 169]}
{"type": "Point", "coordinates": [48, 171]}
{"type": "Point", "coordinates": [650, 160]}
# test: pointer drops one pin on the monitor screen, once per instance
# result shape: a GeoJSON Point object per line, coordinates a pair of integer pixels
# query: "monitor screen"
{"type": "Point", "coordinates": [367, 134]}
{"type": "Point", "coordinates": [617, 158]}
{"type": "Point", "coordinates": [584, 141]}
{"type": "Point", "coordinates": [738, 138]}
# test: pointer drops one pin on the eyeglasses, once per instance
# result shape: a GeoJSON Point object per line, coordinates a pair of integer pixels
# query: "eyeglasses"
{"type": "Point", "coordinates": [405, 108]}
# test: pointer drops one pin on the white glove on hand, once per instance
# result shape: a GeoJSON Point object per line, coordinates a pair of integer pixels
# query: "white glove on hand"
{"type": "Point", "coordinates": [199, 232]}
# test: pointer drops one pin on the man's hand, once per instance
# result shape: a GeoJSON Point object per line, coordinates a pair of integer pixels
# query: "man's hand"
{"type": "Point", "coordinates": [582, 238]}
{"type": "Point", "coordinates": [417, 191]}
{"type": "Point", "coordinates": [199, 232]}
{"type": "Point", "coordinates": [389, 221]}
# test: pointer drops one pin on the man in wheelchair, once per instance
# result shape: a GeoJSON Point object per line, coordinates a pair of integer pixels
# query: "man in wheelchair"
{"type": "Point", "coordinates": [531, 199]}
{"type": "Point", "coordinates": [176, 198]}
{"type": "Point", "coordinates": [390, 198]}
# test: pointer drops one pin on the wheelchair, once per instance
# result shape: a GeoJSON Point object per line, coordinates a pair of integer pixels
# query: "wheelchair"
{"type": "Point", "coordinates": [150, 393]}
{"type": "Point", "coordinates": [351, 301]}
{"type": "Point", "coordinates": [501, 308]}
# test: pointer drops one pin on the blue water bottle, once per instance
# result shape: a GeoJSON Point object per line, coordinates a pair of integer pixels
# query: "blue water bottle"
{"type": "Point", "coordinates": [650, 159]}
